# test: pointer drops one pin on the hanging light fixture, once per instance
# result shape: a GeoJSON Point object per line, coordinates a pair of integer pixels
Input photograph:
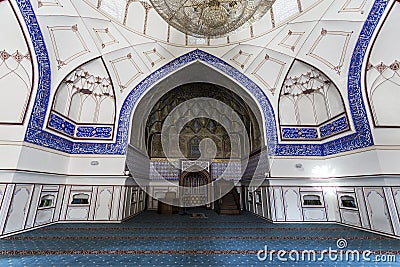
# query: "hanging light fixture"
{"type": "Point", "coordinates": [210, 18]}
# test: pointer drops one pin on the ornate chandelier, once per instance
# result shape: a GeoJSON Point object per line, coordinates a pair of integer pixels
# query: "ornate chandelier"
{"type": "Point", "coordinates": [210, 18]}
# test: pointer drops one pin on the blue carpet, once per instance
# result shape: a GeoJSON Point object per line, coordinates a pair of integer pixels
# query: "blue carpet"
{"type": "Point", "coordinates": [150, 239]}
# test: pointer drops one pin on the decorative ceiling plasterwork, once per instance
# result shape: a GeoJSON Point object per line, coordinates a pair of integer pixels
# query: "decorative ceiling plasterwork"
{"type": "Point", "coordinates": [65, 56]}
{"type": "Point", "coordinates": [16, 69]}
{"type": "Point", "coordinates": [349, 6]}
{"type": "Point", "coordinates": [129, 13]}
{"type": "Point", "coordinates": [153, 56]}
{"type": "Point", "coordinates": [382, 74]}
{"type": "Point", "coordinates": [326, 37]}
{"type": "Point", "coordinates": [43, 3]}
{"type": "Point", "coordinates": [291, 40]}
{"type": "Point", "coordinates": [241, 59]}
{"type": "Point", "coordinates": [361, 138]}
{"type": "Point", "coordinates": [125, 78]}
{"type": "Point", "coordinates": [105, 37]}
{"type": "Point", "coordinates": [271, 81]}
{"type": "Point", "coordinates": [383, 92]}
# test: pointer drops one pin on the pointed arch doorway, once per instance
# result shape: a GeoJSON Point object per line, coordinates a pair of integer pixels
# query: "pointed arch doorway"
{"type": "Point", "coordinates": [195, 184]}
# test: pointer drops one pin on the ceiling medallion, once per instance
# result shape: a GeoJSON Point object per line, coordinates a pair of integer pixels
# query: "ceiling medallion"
{"type": "Point", "coordinates": [210, 18]}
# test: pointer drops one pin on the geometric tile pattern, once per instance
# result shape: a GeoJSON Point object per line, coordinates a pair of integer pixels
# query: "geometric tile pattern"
{"type": "Point", "coordinates": [361, 138]}
{"type": "Point", "coordinates": [163, 170]}
{"type": "Point", "coordinates": [222, 169]}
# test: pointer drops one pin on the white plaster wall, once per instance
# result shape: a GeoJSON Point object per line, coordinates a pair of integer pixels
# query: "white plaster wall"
{"type": "Point", "coordinates": [382, 85]}
{"type": "Point", "coordinates": [377, 210]}
{"type": "Point", "coordinates": [41, 160]}
{"type": "Point", "coordinates": [350, 217]}
{"type": "Point", "coordinates": [292, 203]}
{"type": "Point", "coordinates": [103, 205]}
{"type": "Point", "coordinates": [332, 209]}
{"type": "Point", "coordinates": [9, 154]}
{"type": "Point", "coordinates": [34, 204]}
{"type": "Point", "coordinates": [362, 207]}
{"type": "Point", "coordinates": [20, 211]}
{"type": "Point", "coordinates": [376, 206]}
{"type": "Point", "coordinates": [372, 162]}
{"type": "Point", "coordinates": [19, 208]}
{"type": "Point", "coordinates": [97, 165]}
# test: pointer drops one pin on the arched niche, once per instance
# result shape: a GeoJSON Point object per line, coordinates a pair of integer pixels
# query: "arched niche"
{"type": "Point", "coordinates": [310, 105]}
{"type": "Point", "coordinates": [197, 72]}
{"type": "Point", "coordinates": [199, 111]}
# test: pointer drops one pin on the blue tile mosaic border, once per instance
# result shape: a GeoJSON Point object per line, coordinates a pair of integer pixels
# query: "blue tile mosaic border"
{"type": "Point", "coordinates": [334, 127]}
{"type": "Point", "coordinates": [59, 124]}
{"type": "Point", "coordinates": [299, 133]}
{"type": "Point", "coordinates": [94, 132]}
{"type": "Point", "coordinates": [361, 138]}
{"type": "Point", "coordinates": [70, 129]}
{"type": "Point", "coordinates": [330, 128]}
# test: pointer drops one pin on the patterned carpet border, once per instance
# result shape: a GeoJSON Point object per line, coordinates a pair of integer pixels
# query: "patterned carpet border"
{"type": "Point", "coordinates": [191, 238]}
{"type": "Point", "coordinates": [159, 252]}
{"type": "Point", "coordinates": [188, 228]}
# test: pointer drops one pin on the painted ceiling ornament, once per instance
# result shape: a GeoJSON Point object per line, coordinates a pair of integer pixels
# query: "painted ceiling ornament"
{"type": "Point", "coordinates": [210, 18]}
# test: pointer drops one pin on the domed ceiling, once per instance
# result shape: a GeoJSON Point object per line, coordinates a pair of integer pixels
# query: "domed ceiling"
{"type": "Point", "coordinates": [303, 56]}
{"type": "Point", "coordinates": [141, 17]}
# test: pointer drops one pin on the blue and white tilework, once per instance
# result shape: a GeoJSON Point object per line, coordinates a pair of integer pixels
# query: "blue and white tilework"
{"type": "Point", "coordinates": [163, 170]}
{"type": "Point", "coordinates": [324, 131]}
{"type": "Point", "coordinates": [221, 170]}
{"type": "Point", "coordinates": [70, 129]}
{"type": "Point", "coordinates": [299, 133]}
{"type": "Point", "coordinates": [362, 136]}
{"type": "Point", "coordinates": [61, 125]}
{"type": "Point", "coordinates": [94, 131]}
{"type": "Point", "coordinates": [336, 126]}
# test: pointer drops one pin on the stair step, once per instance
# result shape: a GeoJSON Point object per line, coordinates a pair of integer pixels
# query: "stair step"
{"type": "Point", "coordinates": [229, 205]}
{"type": "Point", "coordinates": [229, 212]}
